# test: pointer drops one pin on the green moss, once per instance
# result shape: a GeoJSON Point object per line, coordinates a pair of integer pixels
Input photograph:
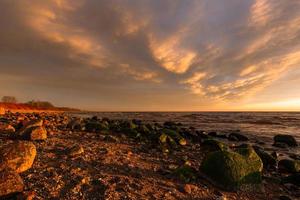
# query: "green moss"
{"type": "Point", "coordinates": [231, 170]}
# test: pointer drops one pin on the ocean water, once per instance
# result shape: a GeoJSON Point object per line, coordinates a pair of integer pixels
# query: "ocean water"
{"type": "Point", "coordinates": [256, 125]}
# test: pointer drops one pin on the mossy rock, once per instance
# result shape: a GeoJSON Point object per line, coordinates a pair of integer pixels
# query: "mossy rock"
{"type": "Point", "coordinates": [286, 139]}
{"type": "Point", "coordinates": [289, 166]}
{"type": "Point", "coordinates": [185, 173]}
{"type": "Point", "coordinates": [233, 170]}
{"type": "Point", "coordinates": [211, 145]}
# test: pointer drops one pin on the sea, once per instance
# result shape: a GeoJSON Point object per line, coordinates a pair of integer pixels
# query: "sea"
{"type": "Point", "coordinates": [258, 126]}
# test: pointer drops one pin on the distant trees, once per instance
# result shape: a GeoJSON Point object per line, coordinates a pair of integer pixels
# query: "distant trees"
{"type": "Point", "coordinates": [40, 104]}
{"type": "Point", "coordinates": [9, 99]}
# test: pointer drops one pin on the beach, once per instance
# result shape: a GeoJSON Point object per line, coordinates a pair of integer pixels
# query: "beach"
{"type": "Point", "coordinates": [124, 155]}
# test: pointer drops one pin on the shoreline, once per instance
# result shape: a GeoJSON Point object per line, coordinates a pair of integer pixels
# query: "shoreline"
{"type": "Point", "coordinates": [80, 161]}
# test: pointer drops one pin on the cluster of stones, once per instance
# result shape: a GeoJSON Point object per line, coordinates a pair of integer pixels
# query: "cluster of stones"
{"type": "Point", "coordinates": [18, 156]}
{"type": "Point", "coordinates": [230, 168]}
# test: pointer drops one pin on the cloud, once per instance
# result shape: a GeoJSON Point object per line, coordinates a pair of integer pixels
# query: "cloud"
{"type": "Point", "coordinates": [215, 50]}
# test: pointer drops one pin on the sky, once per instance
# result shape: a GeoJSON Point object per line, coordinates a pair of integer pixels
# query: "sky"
{"type": "Point", "coordinates": [152, 55]}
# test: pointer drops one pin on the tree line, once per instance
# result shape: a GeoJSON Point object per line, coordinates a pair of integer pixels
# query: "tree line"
{"type": "Point", "coordinates": [33, 103]}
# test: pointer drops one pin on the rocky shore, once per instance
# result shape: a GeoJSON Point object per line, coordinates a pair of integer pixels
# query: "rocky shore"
{"type": "Point", "coordinates": [57, 156]}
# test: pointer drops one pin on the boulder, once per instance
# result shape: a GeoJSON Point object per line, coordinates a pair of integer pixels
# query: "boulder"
{"type": "Point", "coordinates": [233, 170]}
{"type": "Point", "coordinates": [237, 137]}
{"type": "Point", "coordinates": [286, 139]}
{"type": "Point", "coordinates": [18, 156]}
{"type": "Point", "coordinates": [289, 166]}
{"type": "Point", "coordinates": [268, 160]}
{"type": "Point", "coordinates": [10, 183]}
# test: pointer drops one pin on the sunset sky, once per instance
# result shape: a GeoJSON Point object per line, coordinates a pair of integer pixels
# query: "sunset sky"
{"type": "Point", "coordinates": [152, 55]}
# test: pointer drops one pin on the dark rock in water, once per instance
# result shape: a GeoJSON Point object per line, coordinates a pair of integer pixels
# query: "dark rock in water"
{"type": "Point", "coordinates": [237, 137]}
{"type": "Point", "coordinates": [210, 145]}
{"type": "Point", "coordinates": [233, 170]}
{"type": "Point", "coordinates": [289, 166]}
{"type": "Point", "coordinates": [268, 160]}
{"type": "Point", "coordinates": [281, 145]}
{"type": "Point", "coordinates": [18, 156]}
{"type": "Point", "coordinates": [286, 139]}
{"type": "Point", "coordinates": [293, 179]}
{"type": "Point", "coordinates": [10, 183]}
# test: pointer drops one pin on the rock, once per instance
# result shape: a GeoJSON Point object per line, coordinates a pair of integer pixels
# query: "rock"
{"type": "Point", "coordinates": [268, 160]}
{"type": "Point", "coordinates": [237, 137]}
{"type": "Point", "coordinates": [75, 150]}
{"type": "Point", "coordinates": [289, 166]}
{"type": "Point", "coordinates": [96, 126]}
{"type": "Point", "coordinates": [75, 124]}
{"type": "Point", "coordinates": [6, 128]}
{"type": "Point", "coordinates": [187, 188]}
{"type": "Point", "coordinates": [37, 133]}
{"type": "Point", "coordinates": [286, 139]}
{"type": "Point", "coordinates": [293, 179]}
{"type": "Point", "coordinates": [280, 145]}
{"type": "Point", "coordinates": [233, 169]}
{"type": "Point", "coordinates": [213, 145]}
{"type": "Point", "coordinates": [10, 183]}
{"type": "Point", "coordinates": [2, 111]}
{"type": "Point", "coordinates": [18, 156]}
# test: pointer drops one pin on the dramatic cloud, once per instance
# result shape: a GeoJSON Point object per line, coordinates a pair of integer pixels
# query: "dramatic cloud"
{"type": "Point", "coordinates": [148, 54]}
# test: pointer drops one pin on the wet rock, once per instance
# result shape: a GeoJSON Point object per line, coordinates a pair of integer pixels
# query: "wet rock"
{"type": "Point", "coordinates": [75, 150]}
{"type": "Point", "coordinates": [289, 166]}
{"type": "Point", "coordinates": [188, 188]}
{"type": "Point", "coordinates": [268, 160]}
{"type": "Point", "coordinates": [286, 139]}
{"type": "Point", "coordinates": [10, 183]}
{"type": "Point", "coordinates": [29, 125]}
{"type": "Point", "coordinates": [110, 138]}
{"type": "Point", "coordinates": [213, 145]}
{"type": "Point", "coordinates": [237, 137]}
{"type": "Point", "coordinates": [233, 169]}
{"type": "Point", "coordinates": [18, 156]}
{"type": "Point", "coordinates": [283, 197]}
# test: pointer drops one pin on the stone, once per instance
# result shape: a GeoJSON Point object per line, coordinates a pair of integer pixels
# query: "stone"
{"type": "Point", "coordinates": [187, 188]}
{"type": "Point", "coordinates": [286, 139]}
{"type": "Point", "coordinates": [280, 145]}
{"type": "Point", "coordinates": [18, 156]}
{"type": "Point", "coordinates": [6, 128]}
{"type": "Point", "coordinates": [283, 197]}
{"type": "Point", "coordinates": [10, 183]}
{"type": "Point", "coordinates": [96, 126]}
{"type": "Point", "coordinates": [75, 150]}
{"type": "Point", "coordinates": [211, 145]}
{"type": "Point", "coordinates": [233, 169]}
{"type": "Point", "coordinates": [237, 137]}
{"type": "Point", "coordinates": [38, 133]}
{"type": "Point", "coordinates": [2, 111]}
{"type": "Point", "coordinates": [268, 160]}
{"type": "Point", "coordinates": [289, 166]}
